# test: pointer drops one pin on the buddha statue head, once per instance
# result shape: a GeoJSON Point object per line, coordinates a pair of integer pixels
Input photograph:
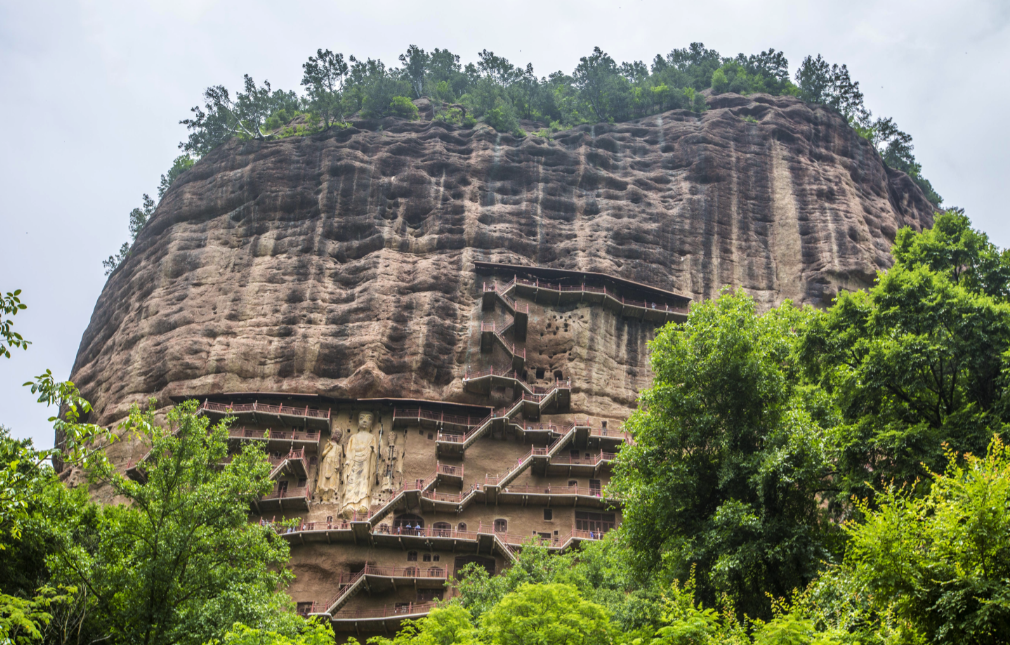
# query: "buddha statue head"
{"type": "Point", "coordinates": [365, 422]}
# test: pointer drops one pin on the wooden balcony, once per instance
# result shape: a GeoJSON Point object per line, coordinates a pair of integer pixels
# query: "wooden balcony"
{"type": "Point", "coordinates": [265, 413]}
{"type": "Point", "coordinates": [285, 498]}
{"type": "Point", "coordinates": [449, 473]}
{"type": "Point", "coordinates": [277, 440]}
{"type": "Point", "coordinates": [386, 618]}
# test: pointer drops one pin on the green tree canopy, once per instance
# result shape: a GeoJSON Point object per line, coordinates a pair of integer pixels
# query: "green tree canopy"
{"type": "Point", "coordinates": [180, 562]}
{"type": "Point", "coordinates": [547, 613]}
{"type": "Point", "coordinates": [729, 456]}
{"type": "Point", "coordinates": [918, 360]}
{"type": "Point", "coordinates": [323, 79]}
{"type": "Point", "coordinates": [941, 562]}
{"type": "Point", "coordinates": [10, 305]}
{"type": "Point", "coordinates": [502, 92]}
{"type": "Point", "coordinates": [181, 164]}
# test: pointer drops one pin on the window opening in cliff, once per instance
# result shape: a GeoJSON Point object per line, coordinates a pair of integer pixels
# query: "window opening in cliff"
{"type": "Point", "coordinates": [461, 526]}
{"type": "Point", "coordinates": [442, 529]}
{"type": "Point", "coordinates": [401, 608]}
{"type": "Point", "coordinates": [548, 514]}
{"type": "Point", "coordinates": [540, 373]}
{"type": "Point", "coordinates": [302, 483]}
{"type": "Point", "coordinates": [435, 557]}
{"type": "Point", "coordinates": [604, 424]}
{"type": "Point", "coordinates": [411, 556]}
{"type": "Point", "coordinates": [426, 557]}
{"type": "Point", "coordinates": [546, 537]}
{"type": "Point", "coordinates": [501, 526]}
{"type": "Point", "coordinates": [594, 487]}
{"type": "Point", "coordinates": [557, 374]}
{"type": "Point", "coordinates": [411, 572]}
{"type": "Point", "coordinates": [282, 488]}
{"type": "Point", "coordinates": [435, 572]}
{"type": "Point", "coordinates": [574, 454]}
{"type": "Point", "coordinates": [303, 608]}
{"type": "Point", "coordinates": [598, 523]}
{"type": "Point", "coordinates": [430, 436]}
{"type": "Point", "coordinates": [572, 483]}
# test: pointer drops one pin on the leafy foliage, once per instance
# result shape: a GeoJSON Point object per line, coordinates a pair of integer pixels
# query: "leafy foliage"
{"type": "Point", "coordinates": [10, 305]}
{"type": "Point", "coordinates": [140, 216]}
{"type": "Point", "coordinates": [181, 164]}
{"type": "Point", "coordinates": [479, 592]}
{"type": "Point", "coordinates": [917, 361]}
{"type": "Point", "coordinates": [223, 117]}
{"type": "Point", "coordinates": [942, 561]}
{"type": "Point", "coordinates": [831, 85]}
{"type": "Point", "coordinates": [138, 219]}
{"type": "Point", "coordinates": [314, 633]}
{"type": "Point", "coordinates": [180, 563]}
{"type": "Point", "coordinates": [502, 94]}
{"type": "Point", "coordinates": [547, 613]}
{"type": "Point", "coordinates": [323, 79]}
{"type": "Point", "coordinates": [729, 456]}
{"type": "Point", "coordinates": [403, 107]}
{"type": "Point", "coordinates": [114, 261]}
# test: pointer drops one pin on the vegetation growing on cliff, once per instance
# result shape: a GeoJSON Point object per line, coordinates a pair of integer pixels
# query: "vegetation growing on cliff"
{"type": "Point", "coordinates": [494, 89]}
{"type": "Point", "coordinates": [502, 94]}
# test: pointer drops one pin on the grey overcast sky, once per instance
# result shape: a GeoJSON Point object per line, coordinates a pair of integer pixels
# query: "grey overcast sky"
{"type": "Point", "coordinates": [91, 94]}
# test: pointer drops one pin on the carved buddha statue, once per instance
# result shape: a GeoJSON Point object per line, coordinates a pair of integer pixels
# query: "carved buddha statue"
{"type": "Point", "coordinates": [359, 468]}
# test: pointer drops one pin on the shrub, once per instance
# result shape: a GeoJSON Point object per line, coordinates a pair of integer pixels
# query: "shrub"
{"type": "Point", "coordinates": [719, 81]}
{"type": "Point", "coordinates": [403, 107]}
{"type": "Point", "coordinates": [502, 119]}
{"type": "Point", "coordinates": [452, 116]}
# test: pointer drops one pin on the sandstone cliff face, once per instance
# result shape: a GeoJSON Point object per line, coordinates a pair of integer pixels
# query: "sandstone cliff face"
{"type": "Point", "coordinates": [341, 264]}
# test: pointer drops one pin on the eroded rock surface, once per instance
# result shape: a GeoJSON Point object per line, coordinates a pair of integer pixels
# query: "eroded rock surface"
{"type": "Point", "coordinates": [341, 264]}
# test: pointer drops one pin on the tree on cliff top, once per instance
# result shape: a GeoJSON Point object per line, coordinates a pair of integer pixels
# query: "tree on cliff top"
{"type": "Point", "coordinates": [223, 117]}
{"type": "Point", "coordinates": [415, 66]}
{"type": "Point", "coordinates": [323, 79]}
{"type": "Point", "coordinates": [500, 92]}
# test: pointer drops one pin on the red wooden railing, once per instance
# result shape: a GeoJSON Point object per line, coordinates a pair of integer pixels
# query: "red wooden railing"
{"type": "Point", "coordinates": [256, 406]}
{"type": "Point", "coordinates": [448, 469]}
{"type": "Point", "coordinates": [592, 460]}
{"type": "Point", "coordinates": [386, 611]}
{"type": "Point", "coordinates": [242, 432]}
{"type": "Point", "coordinates": [628, 302]}
{"type": "Point", "coordinates": [292, 454]}
{"type": "Point", "coordinates": [494, 480]}
{"type": "Point", "coordinates": [293, 492]}
{"type": "Point", "coordinates": [440, 417]}
{"type": "Point", "coordinates": [529, 489]}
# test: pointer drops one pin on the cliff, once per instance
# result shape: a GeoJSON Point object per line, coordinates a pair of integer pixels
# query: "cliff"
{"type": "Point", "coordinates": [341, 264]}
